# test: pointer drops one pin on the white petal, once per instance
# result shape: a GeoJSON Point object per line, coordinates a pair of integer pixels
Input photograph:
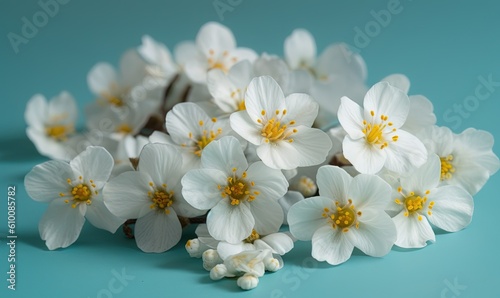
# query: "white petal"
{"type": "Point", "coordinates": [271, 183]}
{"type": "Point", "coordinates": [157, 53]}
{"type": "Point", "coordinates": [287, 201]}
{"type": "Point", "coordinates": [100, 217]}
{"type": "Point", "coordinates": [351, 118]}
{"type": "Point", "coordinates": [184, 119]}
{"type": "Point", "coordinates": [481, 142]}
{"type": "Point", "coordinates": [424, 178]}
{"type": "Point", "coordinates": [305, 217]}
{"type": "Point", "coordinates": [369, 192]}
{"type": "Point", "coordinates": [181, 206]}
{"type": "Point", "coordinates": [220, 87]}
{"type": "Point", "coordinates": [279, 155]}
{"type": "Point", "coordinates": [200, 187]}
{"type": "Point", "coordinates": [364, 157]}
{"type": "Point", "coordinates": [413, 233]}
{"type": "Point", "coordinates": [216, 37]}
{"type": "Point", "coordinates": [241, 54]}
{"type": "Point", "coordinates": [226, 249]}
{"type": "Point", "coordinates": [224, 155]}
{"type": "Point", "coordinates": [300, 49]}
{"type": "Point", "coordinates": [163, 163]}
{"type": "Point", "coordinates": [63, 107]}
{"type": "Point", "coordinates": [398, 80]}
{"type": "Point", "coordinates": [126, 195]}
{"type": "Point", "coordinates": [338, 60]}
{"type": "Point", "coordinates": [230, 223]}
{"type": "Point", "coordinates": [95, 163]}
{"type": "Point", "coordinates": [132, 67]}
{"type": "Point", "coordinates": [101, 77]}
{"type": "Point", "coordinates": [468, 175]}
{"type": "Point", "coordinates": [46, 181]}
{"type": "Point", "coordinates": [157, 232]}
{"type": "Point", "coordinates": [268, 215]}
{"type": "Point", "coordinates": [196, 70]}
{"type": "Point", "coordinates": [246, 127]}
{"type": "Point", "coordinates": [333, 182]}
{"type": "Point", "coordinates": [376, 233]}
{"type": "Point", "coordinates": [387, 100]}
{"type": "Point", "coordinates": [331, 245]}
{"type": "Point", "coordinates": [185, 51]}
{"type": "Point", "coordinates": [281, 243]}
{"type": "Point", "coordinates": [264, 94]}
{"type": "Point", "coordinates": [421, 114]}
{"type": "Point", "coordinates": [312, 146]}
{"type": "Point", "coordinates": [406, 154]}
{"type": "Point", "coordinates": [453, 208]}
{"type": "Point", "coordinates": [61, 224]}
{"type": "Point", "coordinates": [301, 108]}
{"type": "Point", "coordinates": [241, 74]}
{"type": "Point", "coordinates": [36, 111]}
{"type": "Point", "coordinates": [160, 137]}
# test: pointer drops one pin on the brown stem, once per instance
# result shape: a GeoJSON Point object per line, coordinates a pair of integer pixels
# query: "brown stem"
{"type": "Point", "coordinates": [128, 230]}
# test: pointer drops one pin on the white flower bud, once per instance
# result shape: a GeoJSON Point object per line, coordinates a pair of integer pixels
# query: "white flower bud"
{"type": "Point", "coordinates": [193, 248]}
{"type": "Point", "coordinates": [210, 259]}
{"type": "Point", "coordinates": [306, 186]}
{"type": "Point", "coordinates": [247, 281]}
{"type": "Point", "coordinates": [218, 272]}
{"type": "Point", "coordinates": [272, 264]}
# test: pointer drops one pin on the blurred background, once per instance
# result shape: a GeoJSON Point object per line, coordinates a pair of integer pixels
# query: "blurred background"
{"type": "Point", "coordinates": [448, 49]}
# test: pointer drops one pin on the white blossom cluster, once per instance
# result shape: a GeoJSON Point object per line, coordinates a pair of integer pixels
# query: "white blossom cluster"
{"type": "Point", "coordinates": [247, 143]}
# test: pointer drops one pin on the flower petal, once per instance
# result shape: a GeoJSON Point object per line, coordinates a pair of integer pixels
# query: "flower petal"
{"type": "Point", "coordinates": [200, 187]}
{"type": "Point", "coordinates": [36, 111]}
{"type": "Point", "coordinates": [300, 49]}
{"type": "Point", "coordinates": [157, 232]}
{"type": "Point", "coordinates": [369, 192]}
{"type": "Point", "coordinates": [246, 127]}
{"type": "Point", "coordinates": [230, 223]}
{"type": "Point", "coordinates": [271, 183]}
{"type": "Point", "coordinates": [301, 108]}
{"type": "Point", "coordinates": [184, 121]}
{"type": "Point", "coordinates": [453, 208]}
{"type": "Point", "coordinates": [406, 154]}
{"type": "Point", "coordinates": [364, 157]}
{"type": "Point", "coordinates": [376, 233]}
{"type": "Point", "coordinates": [225, 249]}
{"type": "Point", "coordinates": [264, 94]}
{"type": "Point", "coordinates": [425, 178]}
{"type": "Point", "coordinates": [387, 100]}
{"type": "Point", "coordinates": [351, 118]}
{"type": "Point", "coordinates": [163, 163]}
{"type": "Point", "coordinates": [331, 245]}
{"type": "Point", "coordinates": [101, 77]}
{"type": "Point", "coordinates": [46, 181]}
{"type": "Point", "coordinates": [305, 217]}
{"type": "Point", "coordinates": [399, 81]}
{"type": "Point", "coordinates": [421, 114]}
{"type": "Point", "coordinates": [61, 225]}
{"type": "Point", "coordinates": [215, 37]}
{"type": "Point", "coordinates": [311, 144]}
{"type": "Point", "coordinates": [413, 233]}
{"type": "Point", "coordinates": [287, 201]}
{"type": "Point", "coordinates": [224, 155]}
{"type": "Point", "coordinates": [95, 163]}
{"type": "Point", "coordinates": [268, 215]}
{"type": "Point", "coordinates": [333, 182]}
{"type": "Point", "coordinates": [280, 243]}
{"type": "Point", "coordinates": [100, 217]}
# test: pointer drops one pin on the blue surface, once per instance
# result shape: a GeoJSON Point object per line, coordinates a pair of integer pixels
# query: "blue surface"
{"type": "Point", "coordinates": [444, 47]}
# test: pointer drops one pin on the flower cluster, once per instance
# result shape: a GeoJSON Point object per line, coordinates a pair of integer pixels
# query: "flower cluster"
{"type": "Point", "coordinates": [245, 144]}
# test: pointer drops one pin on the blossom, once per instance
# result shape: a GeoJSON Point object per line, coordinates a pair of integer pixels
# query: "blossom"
{"type": "Point", "coordinates": [217, 49]}
{"type": "Point", "coordinates": [467, 159]}
{"type": "Point", "coordinates": [281, 127]}
{"type": "Point", "coordinates": [420, 200]}
{"type": "Point", "coordinates": [374, 139]}
{"type": "Point", "coordinates": [240, 197]}
{"type": "Point", "coordinates": [51, 124]}
{"type": "Point", "coordinates": [190, 129]}
{"type": "Point", "coordinates": [159, 59]}
{"type": "Point", "coordinates": [153, 195]}
{"type": "Point", "coordinates": [74, 192]}
{"type": "Point", "coordinates": [348, 213]}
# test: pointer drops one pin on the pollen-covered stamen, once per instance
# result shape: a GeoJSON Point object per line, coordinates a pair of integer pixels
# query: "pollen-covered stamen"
{"type": "Point", "coordinates": [238, 189]}
{"type": "Point", "coordinates": [124, 128]}
{"type": "Point", "coordinates": [375, 130]}
{"type": "Point", "coordinates": [58, 132]}
{"type": "Point", "coordinates": [161, 198]}
{"type": "Point", "coordinates": [206, 137]}
{"type": "Point", "coordinates": [253, 236]}
{"type": "Point", "coordinates": [343, 217]}
{"type": "Point", "coordinates": [114, 100]}
{"type": "Point", "coordinates": [447, 168]}
{"type": "Point", "coordinates": [239, 97]}
{"type": "Point", "coordinates": [274, 130]}
{"type": "Point", "coordinates": [80, 192]}
{"type": "Point", "coordinates": [416, 204]}
{"type": "Point", "coordinates": [222, 62]}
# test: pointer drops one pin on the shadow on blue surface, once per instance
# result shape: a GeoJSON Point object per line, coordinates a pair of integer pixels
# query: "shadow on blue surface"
{"type": "Point", "coordinates": [18, 149]}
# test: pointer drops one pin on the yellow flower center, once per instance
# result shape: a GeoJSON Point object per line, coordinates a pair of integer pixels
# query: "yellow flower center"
{"type": "Point", "coordinates": [161, 198]}
{"type": "Point", "coordinates": [238, 189]}
{"type": "Point", "coordinates": [273, 130]}
{"type": "Point", "coordinates": [342, 217]}
{"type": "Point", "coordinates": [415, 204]}
{"type": "Point", "coordinates": [207, 136]}
{"type": "Point", "coordinates": [254, 236]}
{"type": "Point", "coordinates": [58, 132]}
{"type": "Point", "coordinates": [79, 192]}
{"type": "Point", "coordinates": [447, 168]}
{"type": "Point", "coordinates": [216, 63]}
{"type": "Point", "coordinates": [374, 132]}
{"type": "Point", "coordinates": [124, 129]}
{"type": "Point", "coordinates": [241, 105]}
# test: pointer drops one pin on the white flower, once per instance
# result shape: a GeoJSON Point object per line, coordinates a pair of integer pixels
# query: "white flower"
{"type": "Point", "coordinates": [116, 123]}
{"type": "Point", "coordinates": [190, 129]}
{"type": "Point", "coordinates": [420, 200]}
{"type": "Point", "coordinates": [281, 127]}
{"type": "Point", "coordinates": [73, 191]}
{"type": "Point", "coordinates": [241, 197]}
{"type": "Point", "coordinates": [157, 55]}
{"type": "Point", "coordinates": [467, 159]}
{"type": "Point", "coordinates": [216, 50]}
{"type": "Point", "coordinates": [374, 139]}
{"type": "Point", "coordinates": [421, 114]}
{"type": "Point", "coordinates": [288, 200]}
{"type": "Point", "coordinates": [152, 194]}
{"type": "Point", "coordinates": [51, 124]}
{"type": "Point", "coordinates": [348, 213]}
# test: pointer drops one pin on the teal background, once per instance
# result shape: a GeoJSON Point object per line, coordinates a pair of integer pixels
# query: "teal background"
{"type": "Point", "coordinates": [444, 47]}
